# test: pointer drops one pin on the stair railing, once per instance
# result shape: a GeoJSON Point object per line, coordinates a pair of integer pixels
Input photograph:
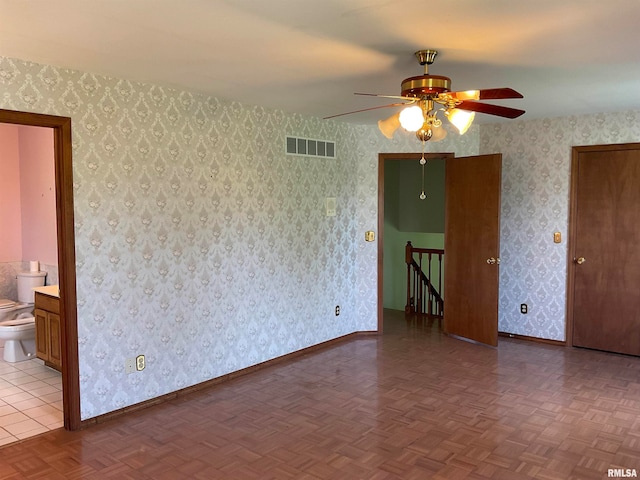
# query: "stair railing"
{"type": "Point", "coordinates": [423, 297]}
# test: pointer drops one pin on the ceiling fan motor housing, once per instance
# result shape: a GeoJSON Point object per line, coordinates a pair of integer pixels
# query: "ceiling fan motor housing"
{"type": "Point", "coordinates": [425, 86]}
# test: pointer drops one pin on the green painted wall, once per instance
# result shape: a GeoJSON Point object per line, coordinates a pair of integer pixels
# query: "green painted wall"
{"type": "Point", "coordinates": [415, 215]}
{"type": "Point", "coordinates": [394, 267]}
{"type": "Point", "coordinates": [407, 218]}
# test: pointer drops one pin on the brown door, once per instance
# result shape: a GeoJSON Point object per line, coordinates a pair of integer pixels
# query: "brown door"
{"type": "Point", "coordinates": [472, 247]}
{"type": "Point", "coordinates": [606, 248]}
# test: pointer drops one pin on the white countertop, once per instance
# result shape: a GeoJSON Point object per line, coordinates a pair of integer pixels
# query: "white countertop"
{"type": "Point", "coordinates": [51, 290]}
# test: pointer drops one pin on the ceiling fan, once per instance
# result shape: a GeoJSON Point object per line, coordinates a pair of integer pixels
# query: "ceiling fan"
{"type": "Point", "coordinates": [422, 94]}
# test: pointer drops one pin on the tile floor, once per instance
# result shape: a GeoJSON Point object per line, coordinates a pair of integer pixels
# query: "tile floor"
{"type": "Point", "coordinates": [30, 399]}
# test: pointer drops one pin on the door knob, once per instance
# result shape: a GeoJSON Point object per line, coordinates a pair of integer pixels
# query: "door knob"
{"type": "Point", "coordinates": [491, 261]}
{"type": "Point", "coordinates": [580, 260]}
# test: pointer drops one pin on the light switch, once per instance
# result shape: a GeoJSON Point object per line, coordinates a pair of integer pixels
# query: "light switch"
{"type": "Point", "coordinates": [330, 205]}
{"type": "Point", "coordinates": [557, 237]}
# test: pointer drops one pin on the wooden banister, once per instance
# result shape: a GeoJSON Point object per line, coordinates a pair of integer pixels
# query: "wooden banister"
{"type": "Point", "coordinates": [423, 297]}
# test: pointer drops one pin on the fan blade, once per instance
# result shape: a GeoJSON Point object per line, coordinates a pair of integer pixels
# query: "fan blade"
{"type": "Point", "coordinates": [489, 109]}
{"type": "Point", "coordinates": [366, 110]}
{"type": "Point", "coordinates": [487, 94]}
{"type": "Point", "coordinates": [410, 99]}
{"type": "Point", "coordinates": [499, 93]}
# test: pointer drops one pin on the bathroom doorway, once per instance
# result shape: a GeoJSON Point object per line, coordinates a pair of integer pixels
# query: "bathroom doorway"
{"type": "Point", "coordinates": [66, 253]}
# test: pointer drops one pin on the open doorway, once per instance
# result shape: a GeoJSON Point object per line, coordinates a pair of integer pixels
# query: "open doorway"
{"type": "Point", "coordinates": [66, 253]}
{"type": "Point", "coordinates": [30, 391]}
{"type": "Point", "coordinates": [391, 266]}
{"type": "Point", "coordinates": [472, 244]}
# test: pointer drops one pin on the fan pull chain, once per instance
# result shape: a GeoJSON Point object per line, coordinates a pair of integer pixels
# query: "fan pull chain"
{"type": "Point", "coordinates": [423, 162]}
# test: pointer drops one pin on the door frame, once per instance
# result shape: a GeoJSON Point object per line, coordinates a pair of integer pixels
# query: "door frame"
{"type": "Point", "coordinates": [571, 241]}
{"type": "Point", "coordinates": [381, 159]}
{"type": "Point", "coordinates": [66, 253]}
{"type": "Point", "coordinates": [573, 213]}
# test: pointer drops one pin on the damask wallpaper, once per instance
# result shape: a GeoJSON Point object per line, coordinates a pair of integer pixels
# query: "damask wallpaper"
{"type": "Point", "coordinates": [199, 243]}
{"type": "Point", "coordinates": [203, 246]}
{"type": "Point", "coordinates": [535, 203]}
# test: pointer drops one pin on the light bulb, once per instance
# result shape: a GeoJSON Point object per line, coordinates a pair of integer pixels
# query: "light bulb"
{"type": "Point", "coordinates": [411, 118]}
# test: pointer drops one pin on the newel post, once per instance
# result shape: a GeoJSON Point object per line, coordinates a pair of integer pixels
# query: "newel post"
{"type": "Point", "coordinates": [408, 258]}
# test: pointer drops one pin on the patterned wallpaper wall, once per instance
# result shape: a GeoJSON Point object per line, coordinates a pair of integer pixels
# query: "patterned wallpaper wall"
{"type": "Point", "coordinates": [535, 203]}
{"type": "Point", "coordinates": [198, 242]}
{"type": "Point", "coordinates": [204, 247]}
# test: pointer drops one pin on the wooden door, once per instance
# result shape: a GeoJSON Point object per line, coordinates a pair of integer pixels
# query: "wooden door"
{"type": "Point", "coordinates": [472, 247]}
{"type": "Point", "coordinates": [606, 248]}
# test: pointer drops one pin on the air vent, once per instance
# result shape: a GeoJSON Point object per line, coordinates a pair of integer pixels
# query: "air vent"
{"type": "Point", "coordinates": [308, 147]}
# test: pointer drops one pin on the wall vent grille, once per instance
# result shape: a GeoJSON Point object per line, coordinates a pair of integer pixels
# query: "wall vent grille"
{"type": "Point", "coordinates": [309, 147]}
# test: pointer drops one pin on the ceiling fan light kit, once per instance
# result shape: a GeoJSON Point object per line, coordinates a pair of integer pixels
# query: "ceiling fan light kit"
{"type": "Point", "coordinates": [420, 95]}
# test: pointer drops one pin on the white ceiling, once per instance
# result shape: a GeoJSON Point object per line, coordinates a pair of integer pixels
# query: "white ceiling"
{"type": "Point", "coordinates": [310, 56]}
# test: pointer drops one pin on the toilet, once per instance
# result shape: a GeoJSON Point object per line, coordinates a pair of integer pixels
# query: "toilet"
{"type": "Point", "coordinates": [17, 323]}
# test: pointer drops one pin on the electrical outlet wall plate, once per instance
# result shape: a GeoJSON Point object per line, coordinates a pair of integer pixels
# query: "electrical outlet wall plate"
{"type": "Point", "coordinates": [140, 363]}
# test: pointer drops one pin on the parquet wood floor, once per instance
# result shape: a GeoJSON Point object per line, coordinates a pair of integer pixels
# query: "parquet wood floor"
{"type": "Point", "coordinates": [410, 404]}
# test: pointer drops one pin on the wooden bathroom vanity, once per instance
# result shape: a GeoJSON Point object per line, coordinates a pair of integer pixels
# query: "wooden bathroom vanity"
{"type": "Point", "coordinates": [48, 329]}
